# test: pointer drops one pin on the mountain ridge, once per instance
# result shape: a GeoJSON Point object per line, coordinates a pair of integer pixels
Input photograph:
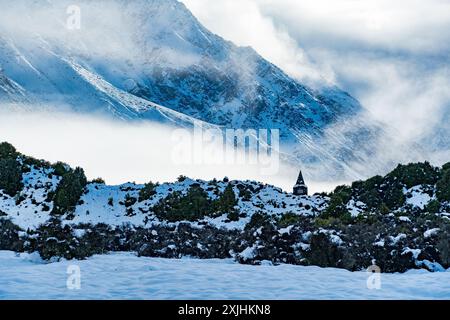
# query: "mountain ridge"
{"type": "Point", "coordinates": [159, 52]}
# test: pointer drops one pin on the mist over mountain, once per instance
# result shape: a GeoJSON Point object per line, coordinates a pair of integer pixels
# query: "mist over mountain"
{"type": "Point", "coordinates": [153, 60]}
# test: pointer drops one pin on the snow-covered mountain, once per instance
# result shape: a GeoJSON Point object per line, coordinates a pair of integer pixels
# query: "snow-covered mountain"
{"type": "Point", "coordinates": [153, 60]}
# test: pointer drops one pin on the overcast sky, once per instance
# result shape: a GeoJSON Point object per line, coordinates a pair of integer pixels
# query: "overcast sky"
{"type": "Point", "coordinates": [394, 56]}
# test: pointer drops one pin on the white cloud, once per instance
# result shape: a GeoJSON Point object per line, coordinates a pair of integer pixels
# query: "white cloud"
{"type": "Point", "coordinates": [244, 23]}
{"type": "Point", "coordinates": [392, 55]}
{"type": "Point", "coordinates": [120, 152]}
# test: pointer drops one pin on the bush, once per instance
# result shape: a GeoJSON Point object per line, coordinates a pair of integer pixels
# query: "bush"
{"type": "Point", "coordinates": [386, 193]}
{"type": "Point", "coordinates": [9, 236]}
{"type": "Point", "coordinates": [52, 240]}
{"type": "Point", "coordinates": [414, 174]}
{"type": "Point", "coordinates": [443, 245]}
{"type": "Point", "coordinates": [233, 215]}
{"type": "Point", "coordinates": [226, 202]}
{"type": "Point", "coordinates": [69, 191]}
{"type": "Point", "coordinates": [129, 201]}
{"type": "Point", "coordinates": [98, 181]}
{"type": "Point", "coordinates": [379, 193]}
{"type": "Point", "coordinates": [193, 206]}
{"type": "Point", "coordinates": [10, 176]}
{"type": "Point", "coordinates": [337, 206]}
{"type": "Point", "coordinates": [60, 169]}
{"type": "Point", "coordinates": [196, 205]}
{"type": "Point", "coordinates": [288, 219]}
{"type": "Point", "coordinates": [30, 161]}
{"type": "Point", "coordinates": [244, 192]}
{"type": "Point", "coordinates": [323, 252]}
{"type": "Point", "coordinates": [258, 219]}
{"type": "Point", "coordinates": [443, 186]}
{"type": "Point", "coordinates": [147, 192]}
{"type": "Point", "coordinates": [433, 207]}
{"type": "Point", "coordinates": [7, 151]}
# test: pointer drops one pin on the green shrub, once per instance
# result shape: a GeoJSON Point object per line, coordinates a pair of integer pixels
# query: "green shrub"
{"type": "Point", "coordinates": [323, 252]}
{"type": "Point", "coordinates": [226, 202]}
{"type": "Point", "coordinates": [288, 219]}
{"type": "Point", "coordinates": [30, 161]}
{"type": "Point", "coordinates": [7, 151]}
{"type": "Point", "coordinates": [443, 245]}
{"type": "Point", "coordinates": [443, 186]}
{"type": "Point", "coordinates": [176, 207]}
{"type": "Point", "coordinates": [147, 191]}
{"type": "Point", "coordinates": [414, 174]}
{"type": "Point", "coordinates": [446, 166]}
{"type": "Point", "coordinates": [433, 206]}
{"type": "Point", "coordinates": [244, 193]}
{"type": "Point", "coordinates": [60, 169]}
{"type": "Point", "coordinates": [69, 191]}
{"type": "Point", "coordinates": [337, 206]}
{"type": "Point", "coordinates": [258, 219]}
{"type": "Point", "coordinates": [332, 222]}
{"type": "Point", "coordinates": [129, 201]}
{"type": "Point", "coordinates": [385, 194]}
{"type": "Point", "coordinates": [9, 236]}
{"type": "Point", "coordinates": [379, 193]}
{"type": "Point", "coordinates": [233, 215]}
{"type": "Point", "coordinates": [10, 176]}
{"type": "Point", "coordinates": [98, 181]}
{"type": "Point", "coordinates": [51, 240]}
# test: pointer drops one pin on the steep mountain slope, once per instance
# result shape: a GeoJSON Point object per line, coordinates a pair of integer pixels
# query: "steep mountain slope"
{"type": "Point", "coordinates": [10, 91]}
{"type": "Point", "coordinates": [152, 59]}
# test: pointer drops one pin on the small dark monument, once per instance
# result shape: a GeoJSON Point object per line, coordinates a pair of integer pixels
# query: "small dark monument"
{"type": "Point", "coordinates": [300, 188]}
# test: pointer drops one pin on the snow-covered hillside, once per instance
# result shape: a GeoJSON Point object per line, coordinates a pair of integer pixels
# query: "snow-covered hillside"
{"type": "Point", "coordinates": [108, 204]}
{"type": "Point", "coordinates": [153, 60]}
{"type": "Point", "coordinates": [399, 220]}
{"type": "Point", "coordinates": [125, 276]}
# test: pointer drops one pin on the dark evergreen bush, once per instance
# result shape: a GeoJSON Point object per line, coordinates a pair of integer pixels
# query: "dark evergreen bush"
{"type": "Point", "coordinates": [176, 207]}
{"type": "Point", "coordinates": [443, 245]}
{"type": "Point", "coordinates": [226, 202]}
{"type": "Point", "coordinates": [7, 151]}
{"type": "Point", "coordinates": [10, 176]}
{"type": "Point", "coordinates": [147, 191]}
{"type": "Point", "coordinates": [52, 240]}
{"type": "Point", "coordinates": [337, 207]}
{"type": "Point", "coordinates": [258, 219]}
{"type": "Point", "coordinates": [9, 236]}
{"type": "Point", "coordinates": [414, 174]}
{"type": "Point", "coordinates": [323, 252]}
{"type": "Point", "coordinates": [60, 168]}
{"type": "Point", "coordinates": [69, 191]}
{"type": "Point", "coordinates": [443, 185]}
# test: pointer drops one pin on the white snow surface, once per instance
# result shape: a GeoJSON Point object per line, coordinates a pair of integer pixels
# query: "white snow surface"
{"type": "Point", "coordinates": [418, 197]}
{"type": "Point", "coordinates": [125, 276]}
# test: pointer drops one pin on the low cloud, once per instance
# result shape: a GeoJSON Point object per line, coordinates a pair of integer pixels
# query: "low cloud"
{"type": "Point", "coordinates": [120, 152]}
{"type": "Point", "coordinates": [391, 55]}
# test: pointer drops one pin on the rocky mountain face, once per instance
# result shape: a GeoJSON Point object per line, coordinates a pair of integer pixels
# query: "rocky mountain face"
{"type": "Point", "coordinates": [399, 221]}
{"type": "Point", "coordinates": [153, 60]}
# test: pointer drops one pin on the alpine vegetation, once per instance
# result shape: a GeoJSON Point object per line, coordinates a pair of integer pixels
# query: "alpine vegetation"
{"type": "Point", "coordinates": [399, 221]}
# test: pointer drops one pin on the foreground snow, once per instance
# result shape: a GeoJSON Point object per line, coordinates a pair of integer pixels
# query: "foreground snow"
{"type": "Point", "coordinates": [125, 276]}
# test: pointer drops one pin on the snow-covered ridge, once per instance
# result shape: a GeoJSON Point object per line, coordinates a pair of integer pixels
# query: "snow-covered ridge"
{"type": "Point", "coordinates": [400, 220]}
{"type": "Point", "coordinates": [106, 204]}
